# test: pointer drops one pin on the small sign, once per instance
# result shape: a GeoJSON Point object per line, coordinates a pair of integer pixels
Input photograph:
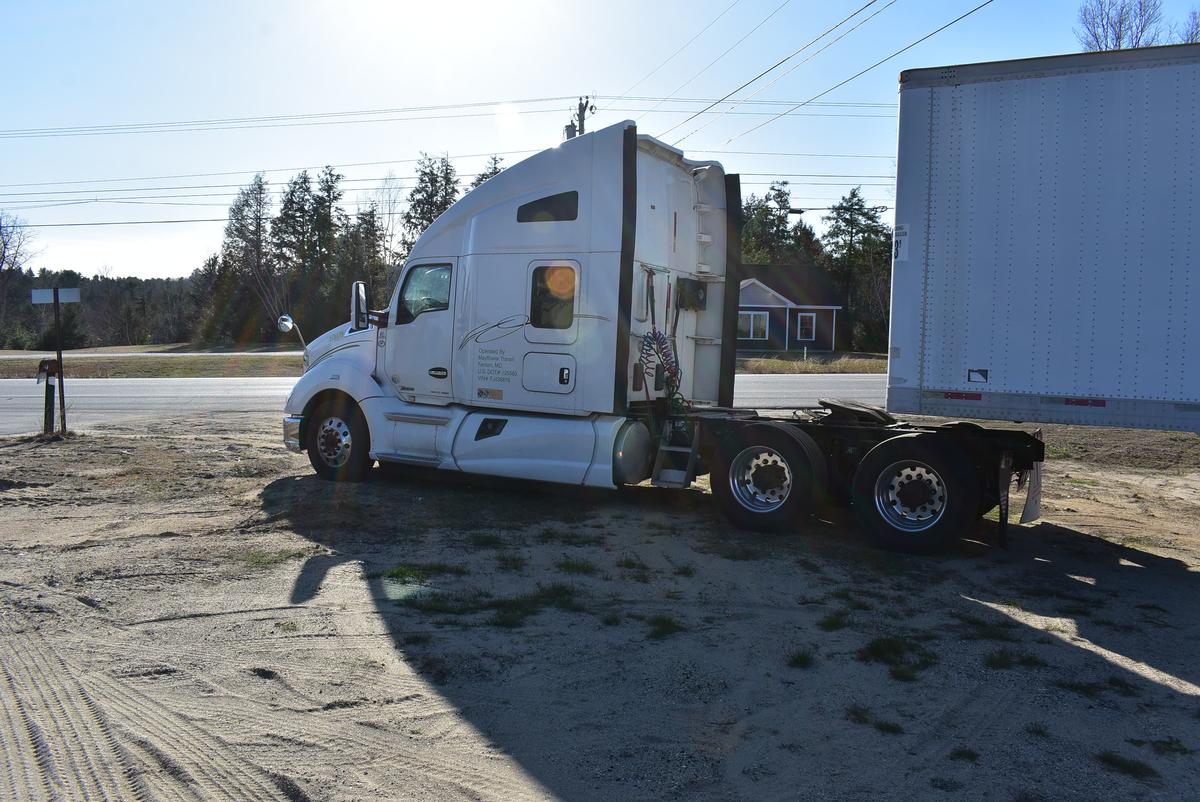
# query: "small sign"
{"type": "Point", "coordinates": [900, 243]}
{"type": "Point", "coordinates": [65, 296]}
{"type": "Point", "coordinates": [977, 375]}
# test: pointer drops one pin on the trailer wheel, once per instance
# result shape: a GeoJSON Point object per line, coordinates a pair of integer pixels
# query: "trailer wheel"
{"type": "Point", "coordinates": [916, 493]}
{"type": "Point", "coordinates": [338, 441]}
{"type": "Point", "coordinates": [765, 483]}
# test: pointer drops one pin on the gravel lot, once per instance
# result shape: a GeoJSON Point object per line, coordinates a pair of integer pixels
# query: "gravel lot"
{"type": "Point", "coordinates": [187, 612]}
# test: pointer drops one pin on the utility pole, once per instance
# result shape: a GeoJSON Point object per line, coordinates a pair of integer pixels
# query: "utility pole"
{"type": "Point", "coordinates": [577, 126]}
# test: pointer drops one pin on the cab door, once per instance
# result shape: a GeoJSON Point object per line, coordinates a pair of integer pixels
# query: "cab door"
{"type": "Point", "coordinates": [420, 344]}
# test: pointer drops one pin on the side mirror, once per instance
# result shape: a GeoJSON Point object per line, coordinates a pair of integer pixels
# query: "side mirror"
{"type": "Point", "coordinates": [286, 324]}
{"type": "Point", "coordinates": [358, 306]}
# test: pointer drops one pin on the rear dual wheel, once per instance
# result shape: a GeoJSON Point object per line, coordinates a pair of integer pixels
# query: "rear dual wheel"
{"type": "Point", "coordinates": [764, 482]}
{"type": "Point", "coordinates": [916, 492]}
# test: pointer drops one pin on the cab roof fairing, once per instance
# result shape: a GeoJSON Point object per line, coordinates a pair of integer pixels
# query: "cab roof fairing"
{"type": "Point", "coordinates": [534, 177]}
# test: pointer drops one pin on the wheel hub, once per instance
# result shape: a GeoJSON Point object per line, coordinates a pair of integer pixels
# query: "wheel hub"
{"type": "Point", "coordinates": [334, 442]}
{"type": "Point", "coordinates": [910, 496]}
{"type": "Point", "coordinates": [760, 478]}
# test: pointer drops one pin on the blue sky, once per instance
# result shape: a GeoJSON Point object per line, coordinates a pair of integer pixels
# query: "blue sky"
{"type": "Point", "coordinates": [86, 64]}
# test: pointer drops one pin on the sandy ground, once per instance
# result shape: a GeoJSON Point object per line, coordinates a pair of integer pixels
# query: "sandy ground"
{"type": "Point", "coordinates": [187, 613]}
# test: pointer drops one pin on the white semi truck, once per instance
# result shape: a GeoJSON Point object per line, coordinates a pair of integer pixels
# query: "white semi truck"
{"type": "Point", "coordinates": [573, 320]}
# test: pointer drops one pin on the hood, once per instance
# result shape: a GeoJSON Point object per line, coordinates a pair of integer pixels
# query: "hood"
{"type": "Point", "coordinates": [339, 340]}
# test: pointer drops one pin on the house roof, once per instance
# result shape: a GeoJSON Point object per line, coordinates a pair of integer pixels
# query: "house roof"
{"type": "Point", "coordinates": [788, 285]}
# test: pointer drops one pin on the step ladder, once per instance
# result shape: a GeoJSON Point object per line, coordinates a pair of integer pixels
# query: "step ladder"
{"type": "Point", "coordinates": [675, 466]}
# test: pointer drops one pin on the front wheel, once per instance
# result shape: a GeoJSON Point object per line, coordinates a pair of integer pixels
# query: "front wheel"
{"type": "Point", "coordinates": [916, 493]}
{"type": "Point", "coordinates": [764, 483]}
{"type": "Point", "coordinates": [338, 441]}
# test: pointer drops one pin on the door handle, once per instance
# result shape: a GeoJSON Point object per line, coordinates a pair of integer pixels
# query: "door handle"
{"type": "Point", "coordinates": [439, 373]}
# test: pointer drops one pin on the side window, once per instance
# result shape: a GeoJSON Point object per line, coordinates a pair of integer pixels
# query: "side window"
{"type": "Point", "coordinates": [562, 207]}
{"type": "Point", "coordinates": [552, 297]}
{"type": "Point", "coordinates": [426, 289]}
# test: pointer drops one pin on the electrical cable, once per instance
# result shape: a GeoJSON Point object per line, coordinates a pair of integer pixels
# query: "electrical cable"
{"type": "Point", "coordinates": [680, 50]}
{"type": "Point", "coordinates": [769, 69]}
{"type": "Point", "coordinates": [863, 72]}
{"type": "Point", "coordinates": [726, 52]}
{"type": "Point", "coordinates": [787, 72]}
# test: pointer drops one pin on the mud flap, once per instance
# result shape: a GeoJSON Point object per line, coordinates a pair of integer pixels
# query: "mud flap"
{"type": "Point", "coordinates": [1033, 501]}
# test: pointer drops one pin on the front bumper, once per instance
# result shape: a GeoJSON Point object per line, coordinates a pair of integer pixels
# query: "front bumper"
{"type": "Point", "coordinates": [291, 432]}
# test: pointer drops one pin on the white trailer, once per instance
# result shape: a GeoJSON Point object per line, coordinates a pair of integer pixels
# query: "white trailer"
{"type": "Point", "coordinates": [573, 320]}
{"type": "Point", "coordinates": [1047, 250]}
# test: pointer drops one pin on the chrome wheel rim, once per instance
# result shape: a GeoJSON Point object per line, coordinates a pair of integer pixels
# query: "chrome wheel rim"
{"type": "Point", "coordinates": [760, 479]}
{"type": "Point", "coordinates": [910, 496]}
{"type": "Point", "coordinates": [334, 442]}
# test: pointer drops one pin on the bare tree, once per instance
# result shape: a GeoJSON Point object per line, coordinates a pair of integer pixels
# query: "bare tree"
{"type": "Point", "coordinates": [388, 200]}
{"type": "Point", "coordinates": [1189, 33]}
{"type": "Point", "coordinates": [1119, 24]}
{"type": "Point", "coordinates": [15, 253]}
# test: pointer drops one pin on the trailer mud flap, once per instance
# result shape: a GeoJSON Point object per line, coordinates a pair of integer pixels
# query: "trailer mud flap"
{"type": "Point", "coordinates": [1033, 500]}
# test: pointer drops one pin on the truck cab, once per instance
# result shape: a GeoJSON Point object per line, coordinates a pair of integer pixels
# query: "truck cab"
{"type": "Point", "coordinates": [513, 343]}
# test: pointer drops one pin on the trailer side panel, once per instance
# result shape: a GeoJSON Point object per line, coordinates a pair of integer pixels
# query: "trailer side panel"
{"type": "Point", "coordinates": [1047, 256]}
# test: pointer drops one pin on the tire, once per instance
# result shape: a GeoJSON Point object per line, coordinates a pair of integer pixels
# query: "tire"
{"type": "Point", "coordinates": [338, 441]}
{"type": "Point", "coordinates": [916, 493]}
{"type": "Point", "coordinates": [764, 482]}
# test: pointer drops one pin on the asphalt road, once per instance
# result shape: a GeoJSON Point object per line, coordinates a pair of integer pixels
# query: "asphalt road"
{"type": "Point", "coordinates": [95, 402]}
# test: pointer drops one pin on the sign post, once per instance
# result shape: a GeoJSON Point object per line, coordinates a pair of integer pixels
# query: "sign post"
{"type": "Point", "coordinates": [57, 297]}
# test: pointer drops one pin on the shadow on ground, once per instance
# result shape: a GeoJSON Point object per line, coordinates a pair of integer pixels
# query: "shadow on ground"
{"type": "Point", "coordinates": [631, 645]}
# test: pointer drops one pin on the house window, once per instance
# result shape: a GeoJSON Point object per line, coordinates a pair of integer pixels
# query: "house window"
{"type": "Point", "coordinates": [806, 325]}
{"type": "Point", "coordinates": [552, 297]}
{"type": "Point", "coordinates": [752, 325]}
{"type": "Point", "coordinates": [551, 209]}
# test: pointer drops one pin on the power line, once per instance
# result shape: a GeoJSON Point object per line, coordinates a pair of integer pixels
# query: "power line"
{"type": "Point", "coordinates": [279, 117]}
{"type": "Point", "coordinates": [789, 70]}
{"type": "Point", "coordinates": [334, 114]}
{"type": "Point", "coordinates": [863, 72]}
{"type": "Point", "coordinates": [723, 55]}
{"type": "Point", "coordinates": [123, 223]}
{"type": "Point", "coordinates": [252, 172]}
{"type": "Point", "coordinates": [71, 182]}
{"type": "Point", "coordinates": [682, 47]}
{"type": "Point", "coordinates": [426, 118]}
{"type": "Point", "coordinates": [50, 202]}
{"type": "Point", "coordinates": [769, 69]}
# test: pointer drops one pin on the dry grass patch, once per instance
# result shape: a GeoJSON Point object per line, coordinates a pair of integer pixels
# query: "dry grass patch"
{"type": "Point", "coordinates": [816, 363]}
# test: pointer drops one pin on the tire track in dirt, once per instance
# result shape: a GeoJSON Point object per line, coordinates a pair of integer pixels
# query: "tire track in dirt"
{"type": "Point", "coordinates": [27, 761]}
{"type": "Point", "coordinates": [205, 759]}
{"type": "Point", "coordinates": [76, 753]}
{"type": "Point", "coordinates": [435, 759]}
{"type": "Point", "coordinates": [77, 726]}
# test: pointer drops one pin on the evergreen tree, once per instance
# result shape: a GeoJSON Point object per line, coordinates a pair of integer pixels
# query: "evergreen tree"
{"type": "Point", "coordinates": [493, 168]}
{"type": "Point", "coordinates": [247, 249]}
{"type": "Point", "coordinates": [292, 244]}
{"type": "Point", "coordinates": [768, 238]}
{"type": "Point", "coordinates": [859, 246]}
{"type": "Point", "coordinates": [436, 190]}
{"type": "Point", "coordinates": [361, 258]}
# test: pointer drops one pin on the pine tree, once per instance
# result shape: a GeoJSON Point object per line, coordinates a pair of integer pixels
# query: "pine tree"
{"type": "Point", "coordinates": [859, 245]}
{"type": "Point", "coordinates": [436, 190]}
{"type": "Point", "coordinates": [247, 247]}
{"type": "Point", "coordinates": [493, 168]}
{"type": "Point", "coordinates": [768, 238]}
